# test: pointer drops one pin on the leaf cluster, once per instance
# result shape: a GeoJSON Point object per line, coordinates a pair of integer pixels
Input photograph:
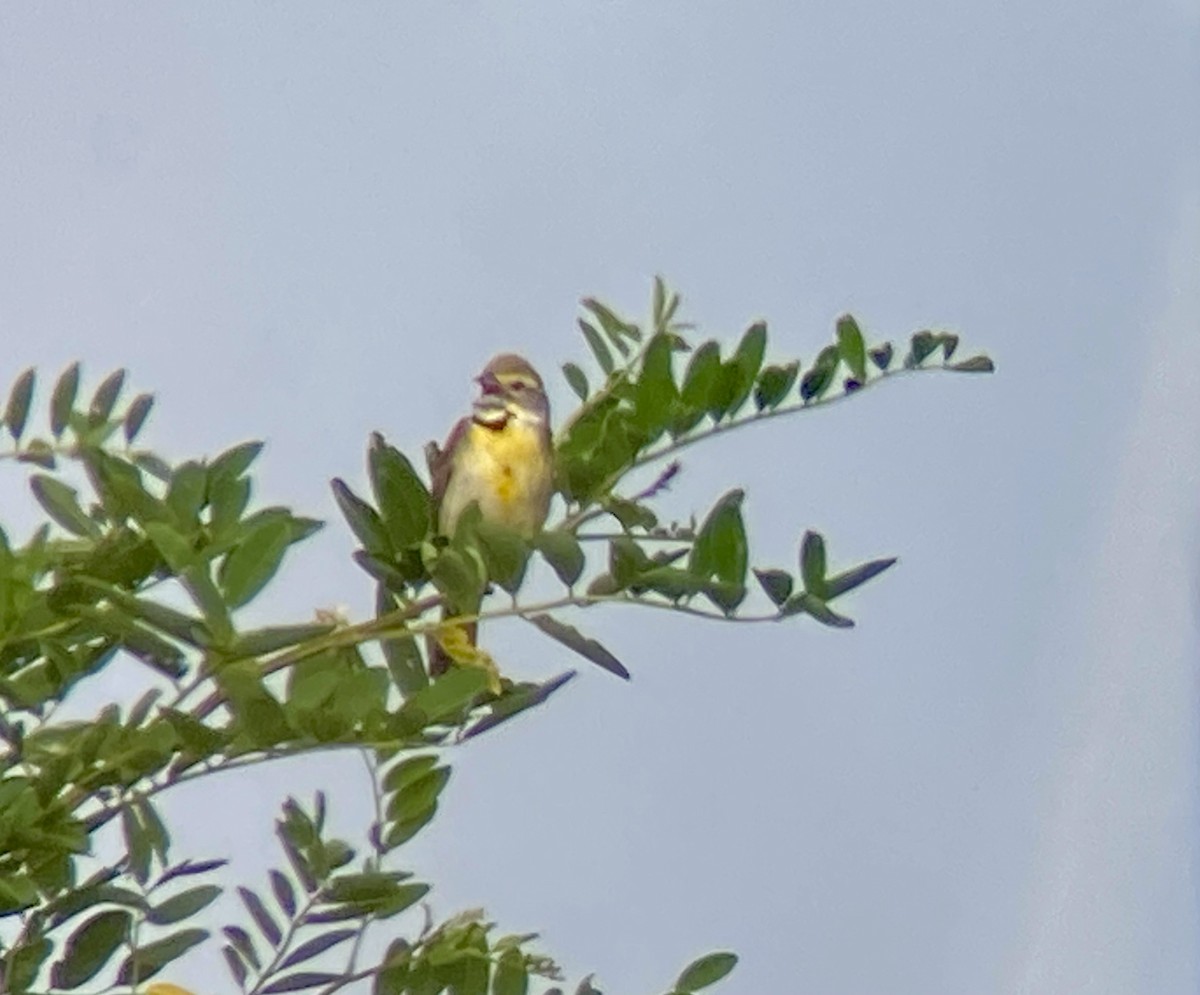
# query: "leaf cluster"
{"type": "Point", "coordinates": [151, 561]}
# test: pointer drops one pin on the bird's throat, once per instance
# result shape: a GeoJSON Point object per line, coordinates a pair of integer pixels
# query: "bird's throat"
{"type": "Point", "coordinates": [491, 416]}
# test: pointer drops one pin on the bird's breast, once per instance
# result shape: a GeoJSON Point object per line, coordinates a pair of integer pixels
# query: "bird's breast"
{"type": "Point", "coordinates": [507, 471]}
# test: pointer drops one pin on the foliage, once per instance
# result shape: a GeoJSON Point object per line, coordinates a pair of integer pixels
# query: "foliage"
{"type": "Point", "coordinates": [151, 560]}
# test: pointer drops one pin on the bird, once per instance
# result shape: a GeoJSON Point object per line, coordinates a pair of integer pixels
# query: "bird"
{"type": "Point", "coordinates": [501, 457]}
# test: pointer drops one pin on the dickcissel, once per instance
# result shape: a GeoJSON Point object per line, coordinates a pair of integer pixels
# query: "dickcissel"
{"type": "Point", "coordinates": [500, 457]}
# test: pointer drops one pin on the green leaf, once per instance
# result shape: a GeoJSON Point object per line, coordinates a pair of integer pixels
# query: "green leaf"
{"type": "Point", "coordinates": [19, 399]}
{"type": "Point", "coordinates": [415, 798]}
{"type": "Point", "coordinates": [237, 967]}
{"type": "Point", "coordinates": [747, 360]}
{"type": "Point", "coordinates": [361, 693]}
{"type": "Point", "coordinates": [450, 694]}
{"type": "Point", "coordinates": [152, 464]}
{"type": "Point", "coordinates": [375, 887]}
{"type": "Point", "coordinates": [364, 521]}
{"type": "Point", "coordinates": [657, 394]}
{"type": "Point", "coordinates": [183, 905]}
{"type": "Point", "coordinates": [774, 384]}
{"type": "Point", "coordinates": [403, 897]}
{"type": "Point", "coordinates": [173, 547]}
{"type": "Point", "coordinates": [586, 647]}
{"type": "Point", "coordinates": [401, 495]}
{"type": "Point", "coordinates": [776, 583]}
{"type": "Point", "coordinates": [140, 709]}
{"type": "Point", "coordinates": [658, 303]}
{"type": "Point", "coordinates": [505, 554]}
{"type": "Point", "coordinates": [672, 582]}
{"type": "Point", "coordinates": [599, 349]}
{"type": "Point", "coordinates": [24, 963]}
{"type": "Point", "coordinates": [627, 560]}
{"type": "Point", "coordinates": [259, 720]}
{"type": "Point", "coordinates": [228, 497]}
{"type": "Point", "coordinates": [262, 918]}
{"type": "Point", "coordinates": [854, 577]}
{"type": "Point", "coordinates": [949, 343]}
{"type": "Point", "coordinates": [137, 844]}
{"type": "Point", "coordinates": [564, 554]}
{"type": "Point", "coordinates": [298, 982]}
{"type": "Point", "coordinates": [253, 562]}
{"type": "Point", "coordinates": [160, 839]}
{"type": "Point", "coordinates": [812, 563]}
{"type": "Point", "coordinates": [519, 699]}
{"type": "Point", "coordinates": [187, 491]}
{"type": "Point", "coordinates": [408, 772]}
{"type": "Point", "coordinates": [61, 503]}
{"type": "Point", "coordinates": [723, 399]}
{"type": "Point", "coordinates": [817, 380]}
{"type": "Point", "coordinates": [312, 682]}
{"type": "Point", "coordinates": [510, 977]}
{"type": "Point", "coordinates": [119, 485]}
{"type": "Point", "coordinates": [274, 638]}
{"type": "Point", "coordinates": [96, 890]}
{"type": "Point", "coordinates": [725, 594]}
{"type": "Point", "coordinates": [393, 969]}
{"type": "Point", "coordinates": [810, 604]}
{"type": "Point", "coordinates": [243, 944]}
{"type": "Point", "coordinates": [175, 624]}
{"type": "Point", "coordinates": [389, 576]}
{"type": "Point", "coordinates": [404, 662]}
{"type": "Point", "coordinates": [62, 401]}
{"type": "Point", "coordinates": [149, 647]}
{"type": "Point", "coordinates": [197, 738]}
{"type": "Point", "coordinates": [851, 347]}
{"type": "Point", "coordinates": [577, 380]}
{"type": "Point", "coordinates": [881, 356]}
{"type": "Point", "coordinates": [39, 453]}
{"type": "Point", "coordinates": [700, 379]}
{"type": "Point", "coordinates": [976, 364]}
{"type": "Point", "coordinates": [105, 398]}
{"type": "Point", "coordinates": [190, 868]}
{"type": "Point", "coordinates": [630, 514]}
{"type": "Point", "coordinates": [921, 345]}
{"type": "Point", "coordinates": [89, 948]}
{"type": "Point", "coordinates": [235, 461]}
{"type": "Point", "coordinates": [148, 960]}
{"type": "Point", "coordinates": [720, 549]}
{"type": "Point", "coordinates": [706, 971]}
{"type": "Point", "coordinates": [17, 892]}
{"type": "Point", "coordinates": [614, 326]}
{"type": "Point", "coordinates": [135, 417]}
{"type": "Point", "coordinates": [601, 444]}
{"type": "Point", "coordinates": [458, 576]}
{"type": "Point", "coordinates": [285, 894]}
{"type": "Point", "coordinates": [403, 830]}
{"type": "Point", "coordinates": [316, 946]}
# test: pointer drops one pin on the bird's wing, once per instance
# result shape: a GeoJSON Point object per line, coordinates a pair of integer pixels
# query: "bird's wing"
{"type": "Point", "coordinates": [441, 460]}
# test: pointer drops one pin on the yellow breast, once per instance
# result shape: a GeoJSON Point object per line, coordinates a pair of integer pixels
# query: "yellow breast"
{"type": "Point", "coordinates": [508, 471]}
{"type": "Point", "coordinates": [515, 455]}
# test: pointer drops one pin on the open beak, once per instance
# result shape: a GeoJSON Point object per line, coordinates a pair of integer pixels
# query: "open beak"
{"type": "Point", "coordinates": [488, 383]}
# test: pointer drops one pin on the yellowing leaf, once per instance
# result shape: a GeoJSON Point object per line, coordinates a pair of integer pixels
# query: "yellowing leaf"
{"type": "Point", "coordinates": [164, 988]}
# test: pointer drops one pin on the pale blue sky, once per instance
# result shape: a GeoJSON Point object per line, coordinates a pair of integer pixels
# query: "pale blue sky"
{"type": "Point", "coordinates": [304, 222]}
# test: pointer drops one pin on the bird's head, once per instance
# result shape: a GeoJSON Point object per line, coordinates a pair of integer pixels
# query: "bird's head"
{"type": "Point", "coordinates": [509, 384]}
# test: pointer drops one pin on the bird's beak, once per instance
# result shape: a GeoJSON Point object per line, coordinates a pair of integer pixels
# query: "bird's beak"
{"type": "Point", "coordinates": [488, 383]}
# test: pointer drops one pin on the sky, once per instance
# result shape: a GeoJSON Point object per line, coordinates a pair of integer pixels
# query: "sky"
{"type": "Point", "coordinates": [305, 222]}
